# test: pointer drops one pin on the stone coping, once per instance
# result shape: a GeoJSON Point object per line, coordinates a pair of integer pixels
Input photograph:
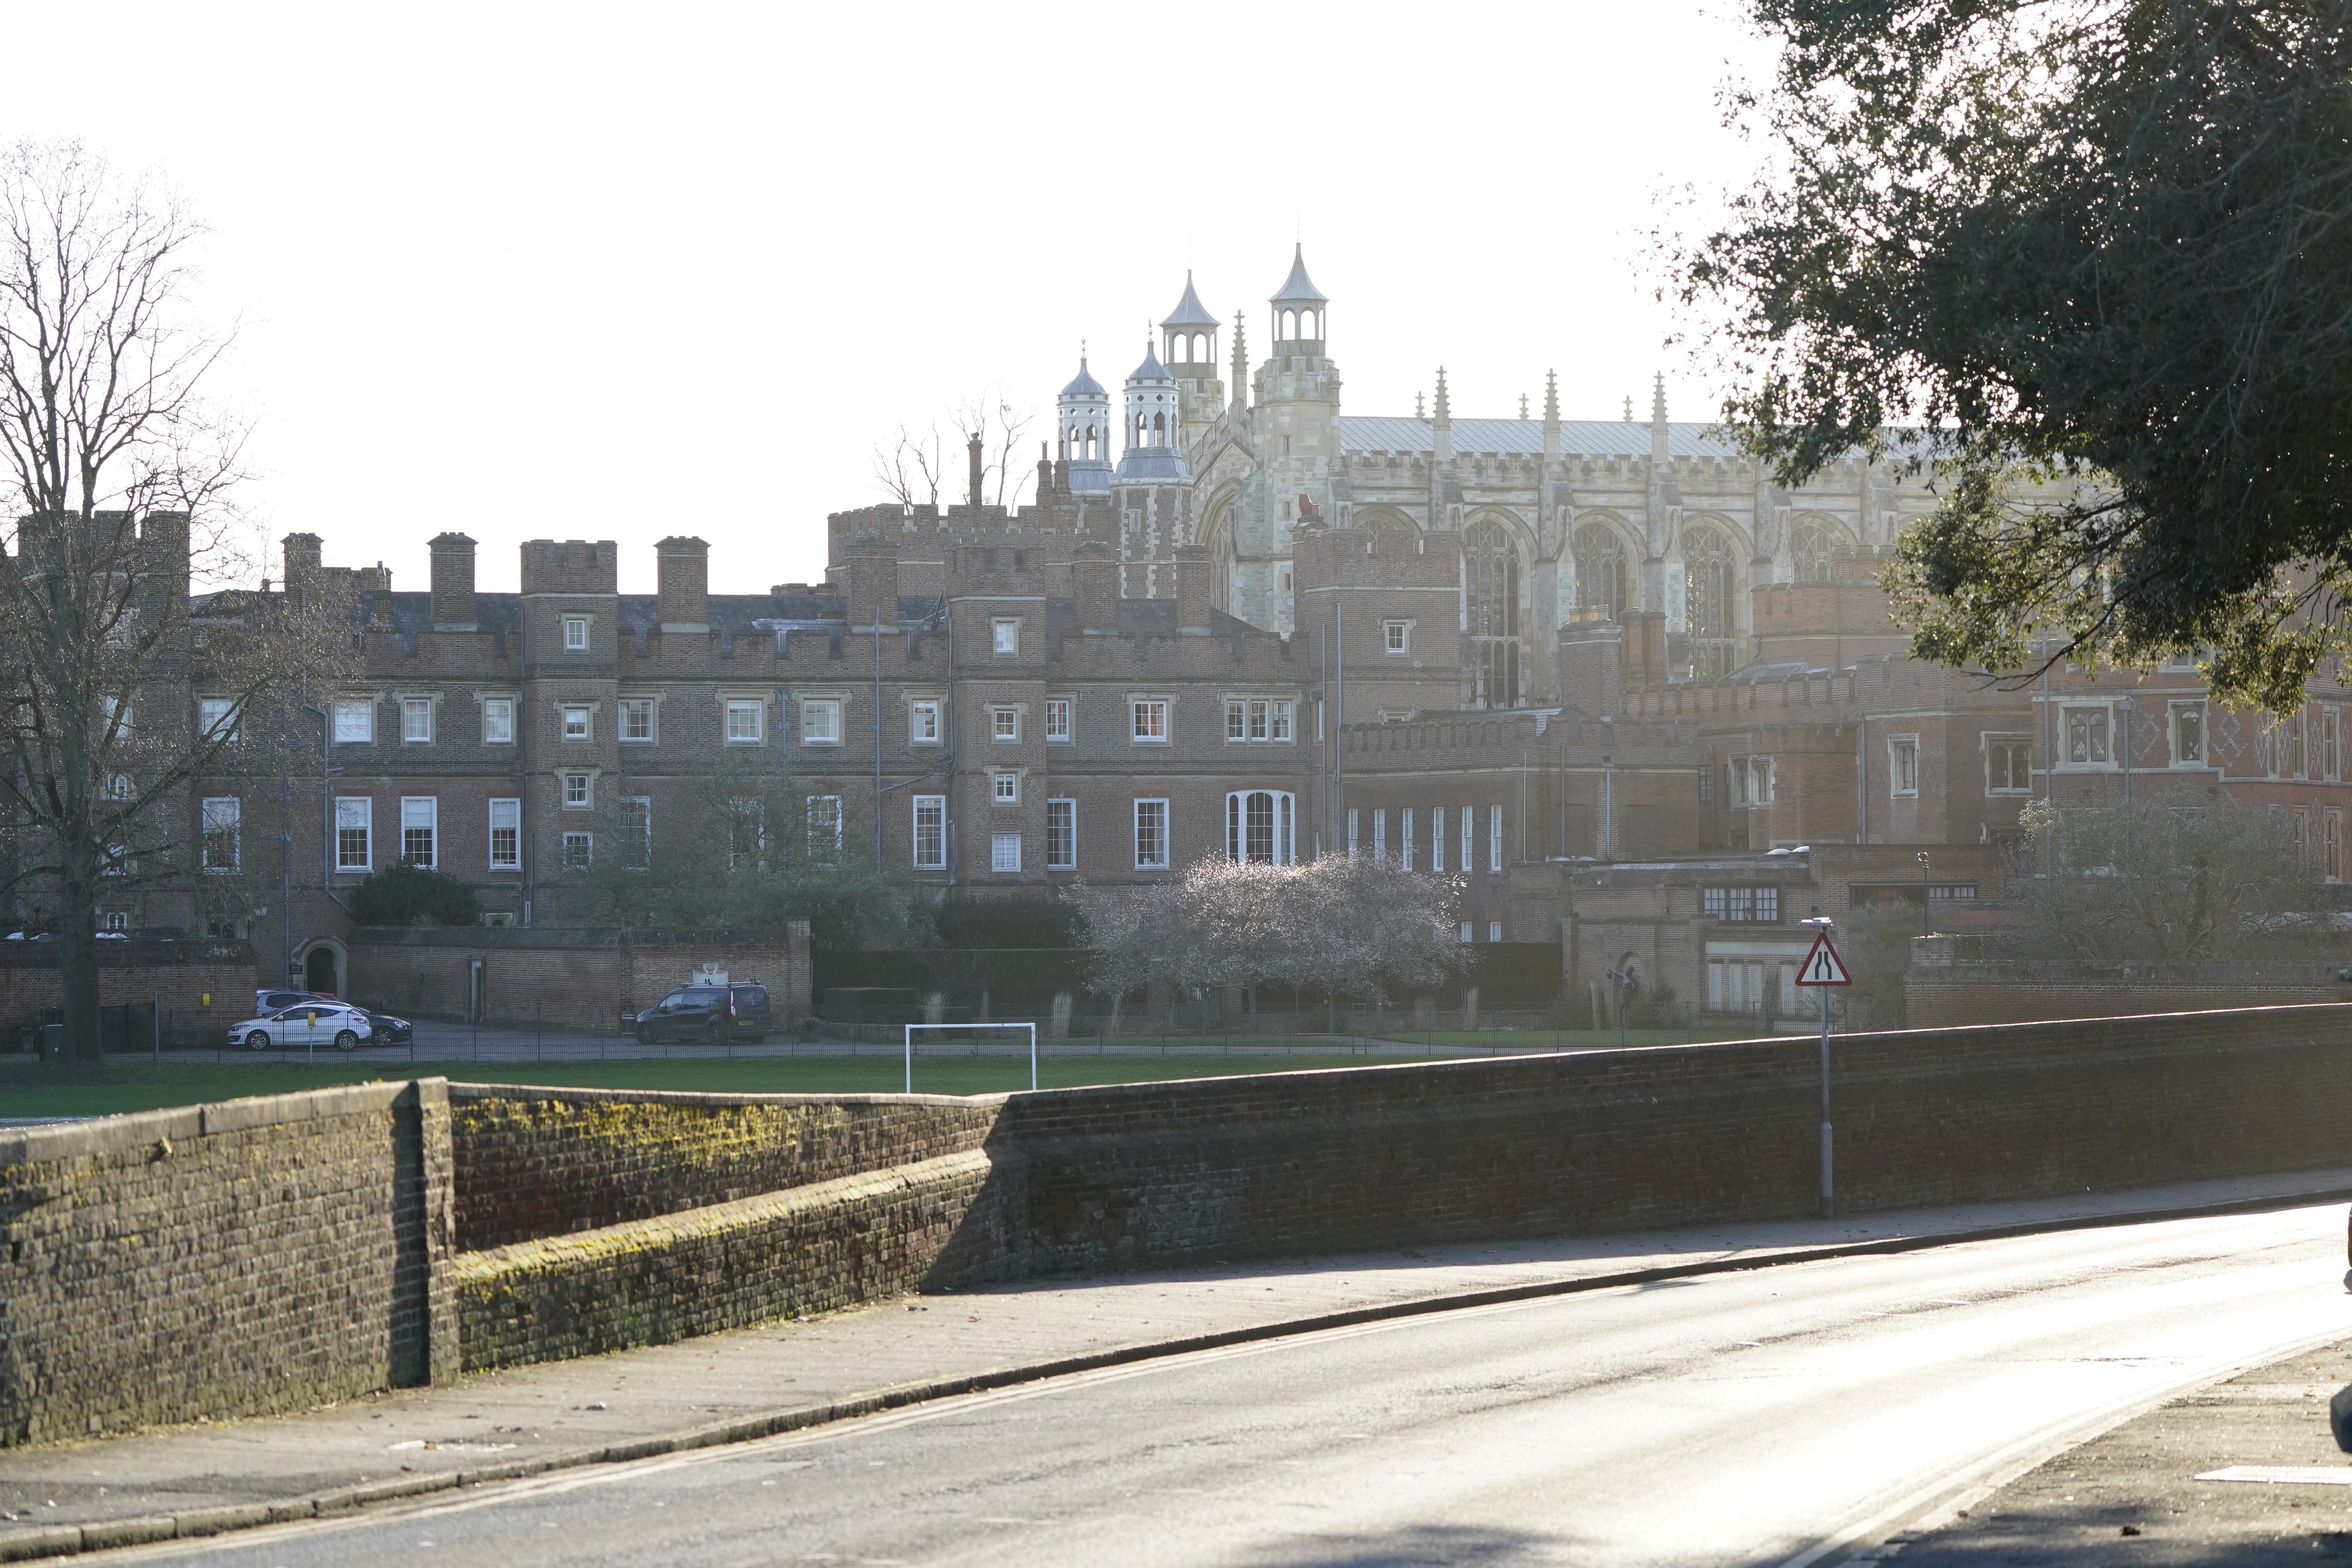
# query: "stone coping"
{"type": "Point", "coordinates": [144, 1128]}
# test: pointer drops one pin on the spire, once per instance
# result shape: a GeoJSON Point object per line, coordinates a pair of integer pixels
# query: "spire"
{"type": "Point", "coordinates": [1442, 427]}
{"type": "Point", "coordinates": [1188, 310]}
{"type": "Point", "coordinates": [1421, 406]}
{"type": "Point", "coordinates": [1551, 398]}
{"type": "Point", "coordinates": [1240, 362]}
{"type": "Point", "coordinates": [1299, 289]}
{"type": "Point", "coordinates": [1658, 419]}
{"type": "Point", "coordinates": [1523, 405]}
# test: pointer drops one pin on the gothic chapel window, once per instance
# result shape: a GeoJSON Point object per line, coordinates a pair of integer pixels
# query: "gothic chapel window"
{"type": "Point", "coordinates": [1710, 609]}
{"type": "Point", "coordinates": [1600, 571]}
{"type": "Point", "coordinates": [1817, 549]}
{"type": "Point", "coordinates": [1490, 566]}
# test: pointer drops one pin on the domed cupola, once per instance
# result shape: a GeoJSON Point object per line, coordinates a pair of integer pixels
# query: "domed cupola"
{"type": "Point", "coordinates": [1153, 454]}
{"type": "Point", "coordinates": [1083, 430]}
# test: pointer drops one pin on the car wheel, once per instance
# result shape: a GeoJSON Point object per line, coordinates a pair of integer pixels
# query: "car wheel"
{"type": "Point", "coordinates": [644, 1034]}
{"type": "Point", "coordinates": [345, 1040]}
{"type": "Point", "coordinates": [714, 1033]}
{"type": "Point", "coordinates": [257, 1041]}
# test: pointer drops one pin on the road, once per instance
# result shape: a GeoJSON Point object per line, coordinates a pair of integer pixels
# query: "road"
{"type": "Point", "coordinates": [1780, 1417]}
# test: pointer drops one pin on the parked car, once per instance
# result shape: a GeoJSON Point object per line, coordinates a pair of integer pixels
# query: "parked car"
{"type": "Point", "coordinates": [384, 1030]}
{"type": "Point", "coordinates": [713, 1014]}
{"type": "Point", "coordinates": [277, 998]}
{"type": "Point", "coordinates": [304, 1024]}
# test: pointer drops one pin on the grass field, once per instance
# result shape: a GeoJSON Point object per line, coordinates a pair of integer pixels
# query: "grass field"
{"type": "Point", "coordinates": [132, 1083]}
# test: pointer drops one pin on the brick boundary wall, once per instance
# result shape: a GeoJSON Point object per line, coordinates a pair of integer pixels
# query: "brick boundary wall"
{"type": "Point", "coordinates": [575, 979]}
{"type": "Point", "coordinates": [811, 1248]}
{"type": "Point", "coordinates": [146, 1282]}
{"type": "Point", "coordinates": [1986, 994]}
{"type": "Point", "coordinates": [223, 1261]}
{"type": "Point", "coordinates": [178, 973]}
{"type": "Point", "coordinates": [549, 1162]}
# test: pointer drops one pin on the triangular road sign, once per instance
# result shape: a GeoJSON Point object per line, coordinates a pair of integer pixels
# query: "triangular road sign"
{"type": "Point", "coordinates": [1822, 966]}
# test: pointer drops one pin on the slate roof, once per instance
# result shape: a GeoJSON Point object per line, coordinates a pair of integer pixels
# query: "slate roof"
{"type": "Point", "coordinates": [1299, 289]}
{"type": "Point", "coordinates": [1577, 438]}
{"type": "Point", "coordinates": [1084, 384]}
{"type": "Point", "coordinates": [1190, 311]}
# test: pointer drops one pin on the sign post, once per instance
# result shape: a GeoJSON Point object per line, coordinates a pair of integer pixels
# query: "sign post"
{"type": "Point", "coordinates": [1823, 968]}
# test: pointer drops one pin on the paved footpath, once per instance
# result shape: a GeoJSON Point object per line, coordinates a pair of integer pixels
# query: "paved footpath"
{"type": "Point", "coordinates": [203, 1478]}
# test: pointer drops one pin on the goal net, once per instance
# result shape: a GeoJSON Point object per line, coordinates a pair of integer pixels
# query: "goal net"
{"type": "Point", "coordinates": [1015, 1031]}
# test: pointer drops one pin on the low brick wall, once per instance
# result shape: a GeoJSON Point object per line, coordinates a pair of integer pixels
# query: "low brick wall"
{"type": "Point", "coordinates": [572, 979]}
{"type": "Point", "coordinates": [180, 974]}
{"type": "Point", "coordinates": [273, 1253]}
{"type": "Point", "coordinates": [223, 1261]}
{"type": "Point", "coordinates": [2008, 991]}
{"type": "Point", "coordinates": [813, 1248]}
{"type": "Point", "coordinates": [550, 1161]}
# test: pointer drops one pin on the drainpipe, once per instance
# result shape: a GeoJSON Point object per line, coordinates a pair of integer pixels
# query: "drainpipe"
{"type": "Point", "coordinates": [327, 806]}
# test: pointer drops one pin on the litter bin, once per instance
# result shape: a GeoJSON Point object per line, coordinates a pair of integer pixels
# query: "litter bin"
{"type": "Point", "coordinates": [52, 1041]}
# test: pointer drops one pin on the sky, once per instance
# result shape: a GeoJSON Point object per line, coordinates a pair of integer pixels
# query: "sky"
{"type": "Point", "coordinates": [606, 272]}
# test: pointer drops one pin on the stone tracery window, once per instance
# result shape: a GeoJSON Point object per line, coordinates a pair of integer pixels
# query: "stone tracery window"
{"type": "Point", "coordinates": [1818, 547]}
{"type": "Point", "coordinates": [1490, 572]}
{"type": "Point", "coordinates": [1600, 571]}
{"type": "Point", "coordinates": [1710, 607]}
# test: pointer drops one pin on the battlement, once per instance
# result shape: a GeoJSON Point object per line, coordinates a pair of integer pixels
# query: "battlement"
{"type": "Point", "coordinates": [571, 566]}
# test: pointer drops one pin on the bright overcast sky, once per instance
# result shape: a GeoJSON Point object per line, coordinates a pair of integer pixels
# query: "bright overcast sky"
{"type": "Point", "coordinates": [619, 272]}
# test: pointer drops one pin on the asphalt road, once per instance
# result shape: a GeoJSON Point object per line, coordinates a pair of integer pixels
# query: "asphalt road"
{"type": "Point", "coordinates": [1783, 1416]}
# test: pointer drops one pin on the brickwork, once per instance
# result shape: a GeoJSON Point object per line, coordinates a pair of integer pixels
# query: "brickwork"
{"type": "Point", "coordinates": [546, 1162]}
{"type": "Point", "coordinates": [180, 975]}
{"type": "Point", "coordinates": [807, 1249]}
{"type": "Point", "coordinates": [2025, 991]}
{"type": "Point", "coordinates": [223, 1261]}
{"type": "Point", "coordinates": [267, 1254]}
{"type": "Point", "coordinates": [570, 978]}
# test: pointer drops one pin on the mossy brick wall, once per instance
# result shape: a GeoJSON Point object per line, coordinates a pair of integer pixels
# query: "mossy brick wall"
{"type": "Point", "coordinates": [535, 1163]}
{"type": "Point", "coordinates": [230, 1259]}
{"type": "Point", "coordinates": [1141, 1174]}
{"type": "Point", "coordinates": [812, 1248]}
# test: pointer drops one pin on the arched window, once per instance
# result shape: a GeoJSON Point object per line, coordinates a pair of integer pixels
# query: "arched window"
{"type": "Point", "coordinates": [1818, 548]}
{"type": "Point", "coordinates": [1261, 828]}
{"type": "Point", "coordinates": [1710, 610]}
{"type": "Point", "coordinates": [1160, 429]}
{"type": "Point", "coordinates": [1490, 572]}
{"type": "Point", "coordinates": [1600, 571]}
{"type": "Point", "coordinates": [1090, 443]}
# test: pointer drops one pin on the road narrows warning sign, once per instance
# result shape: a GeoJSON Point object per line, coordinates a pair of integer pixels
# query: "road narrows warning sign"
{"type": "Point", "coordinates": [1822, 966]}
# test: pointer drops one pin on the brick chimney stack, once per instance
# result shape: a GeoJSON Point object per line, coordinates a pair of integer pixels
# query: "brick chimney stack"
{"type": "Point", "coordinates": [1096, 569]}
{"type": "Point", "coordinates": [873, 574]}
{"type": "Point", "coordinates": [685, 585]}
{"type": "Point", "coordinates": [972, 449]}
{"type": "Point", "coordinates": [453, 582]}
{"type": "Point", "coordinates": [1192, 568]}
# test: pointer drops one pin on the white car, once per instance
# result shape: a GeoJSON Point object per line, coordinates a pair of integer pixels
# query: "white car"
{"type": "Point", "coordinates": [304, 1024]}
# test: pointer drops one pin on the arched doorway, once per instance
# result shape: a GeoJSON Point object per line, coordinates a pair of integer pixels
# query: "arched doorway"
{"type": "Point", "coordinates": [322, 971]}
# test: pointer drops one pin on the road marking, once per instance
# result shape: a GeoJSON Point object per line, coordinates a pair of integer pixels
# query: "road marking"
{"type": "Point", "coordinates": [2305, 1475]}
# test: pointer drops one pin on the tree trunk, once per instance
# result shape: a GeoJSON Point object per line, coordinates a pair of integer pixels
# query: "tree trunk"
{"type": "Point", "coordinates": [78, 933]}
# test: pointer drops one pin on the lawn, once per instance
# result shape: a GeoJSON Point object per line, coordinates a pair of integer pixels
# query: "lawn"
{"type": "Point", "coordinates": [134, 1083]}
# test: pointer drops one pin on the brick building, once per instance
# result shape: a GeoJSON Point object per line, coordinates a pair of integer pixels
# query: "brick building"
{"type": "Point", "coordinates": [1536, 652]}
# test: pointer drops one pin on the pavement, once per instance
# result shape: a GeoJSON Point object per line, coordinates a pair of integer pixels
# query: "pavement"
{"type": "Point", "coordinates": [207, 1478]}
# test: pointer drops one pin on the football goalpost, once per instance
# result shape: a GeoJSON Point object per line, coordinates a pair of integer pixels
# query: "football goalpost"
{"type": "Point", "coordinates": [910, 1046]}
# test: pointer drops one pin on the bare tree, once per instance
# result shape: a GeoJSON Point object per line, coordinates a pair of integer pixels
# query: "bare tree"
{"type": "Point", "coordinates": [122, 689]}
{"type": "Point", "coordinates": [1005, 472]}
{"type": "Point", "coordinates": [2177, 875]}
{"type": "Point", "coordinates": [911, 467]}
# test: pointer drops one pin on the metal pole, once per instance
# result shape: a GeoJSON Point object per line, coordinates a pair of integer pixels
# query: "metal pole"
{"type": "Point", "coordinates": [1829, 1188]}
{"type": "Point", "coordinates": [878, 742]}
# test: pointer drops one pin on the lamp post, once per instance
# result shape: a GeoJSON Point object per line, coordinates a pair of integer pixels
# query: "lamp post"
{"type": "Point", "coordinates": [1924, 929]}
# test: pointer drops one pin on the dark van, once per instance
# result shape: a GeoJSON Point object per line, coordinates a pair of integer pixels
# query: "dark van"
{"type": "Point", "coordinates": [712, 1014]}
